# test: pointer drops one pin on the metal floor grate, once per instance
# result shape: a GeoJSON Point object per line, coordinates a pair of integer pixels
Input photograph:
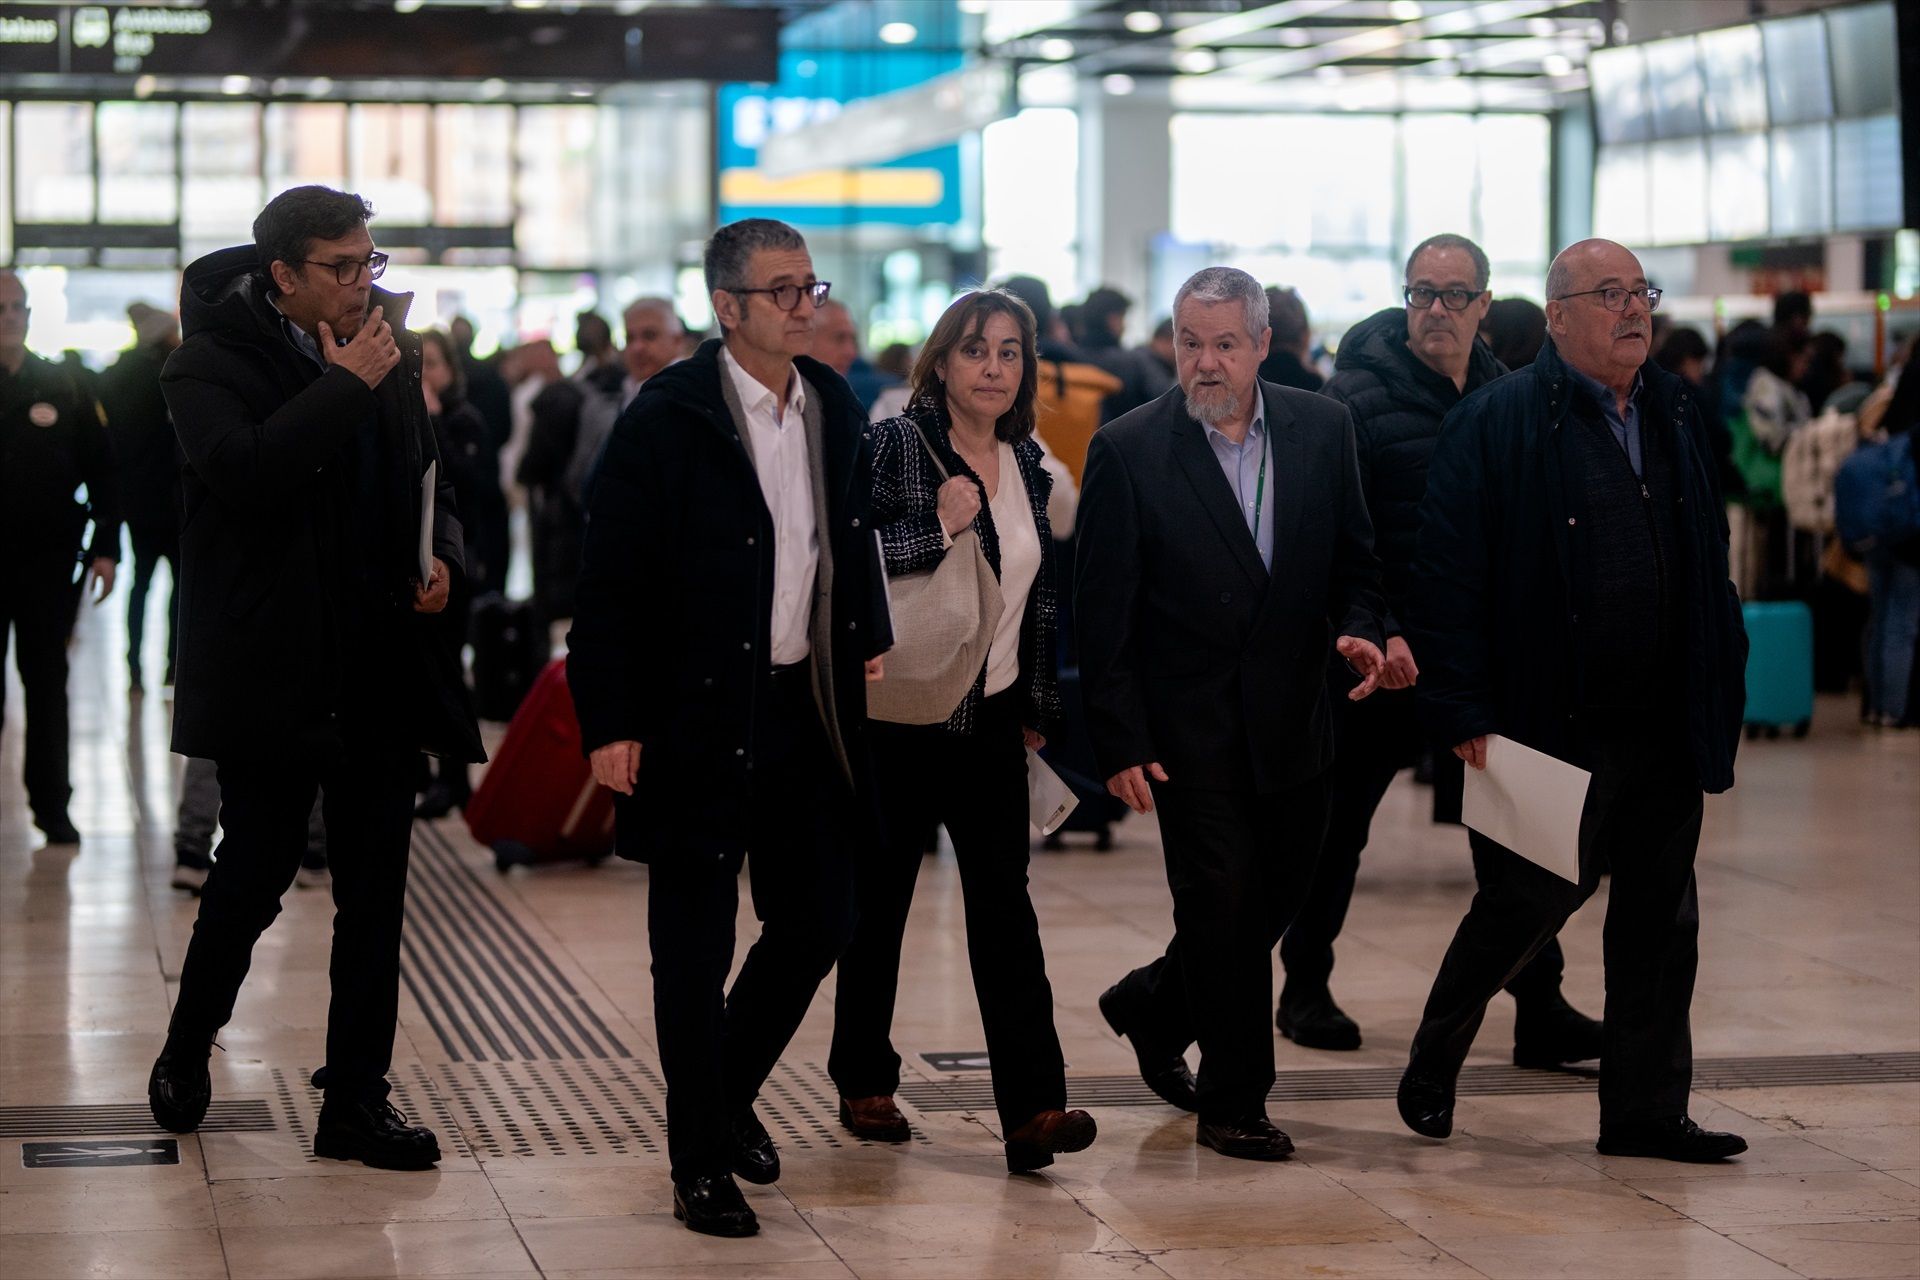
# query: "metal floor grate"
{"type": "Point", "coordinates": [975, 1093]}
{"type": "Point", "coordinates": [109, 1120]}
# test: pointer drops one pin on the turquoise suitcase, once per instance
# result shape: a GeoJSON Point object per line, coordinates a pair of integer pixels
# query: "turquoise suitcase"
{"type": "Point", "coordinates": [1779, 667]}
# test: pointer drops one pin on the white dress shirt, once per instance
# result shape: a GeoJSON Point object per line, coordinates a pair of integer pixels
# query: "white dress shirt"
{"type": "Point", "coordinates": [776, 432]}
{"type": "Point", "coordinates": [1019, 567]}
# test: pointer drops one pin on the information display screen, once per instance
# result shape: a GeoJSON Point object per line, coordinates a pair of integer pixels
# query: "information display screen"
{"type": "Point", "coordinates": [1621, 107]}
{"type": "Point", "coordinates": [1799, 80]}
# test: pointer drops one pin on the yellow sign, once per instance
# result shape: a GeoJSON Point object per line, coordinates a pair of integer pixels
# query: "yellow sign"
{"type": "Point", "coordinates": [852, 188]}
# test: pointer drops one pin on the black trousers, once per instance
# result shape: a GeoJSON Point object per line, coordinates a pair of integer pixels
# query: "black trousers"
{"type": "Point", "coordinates": [38, 597]}
{"type": "Point", "coordinates": [1238, 864]}
{"type": "Point", "coordinates": [150, 546]}
{"type": "Point", "coordinates": [1373, 741]}
{"type": "Point", "coordinates": [264, 808]}
{"type": "Point", "coordinates": [718, 1046]}
{"type": "Point", "coordinates": [1641, 824]}
{"type": "Point", "coordinates": [977, 786]}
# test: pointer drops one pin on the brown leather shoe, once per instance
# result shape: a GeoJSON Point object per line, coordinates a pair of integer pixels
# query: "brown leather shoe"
{"type": "Point", "coordinates": [1034, 1144]}
{"type": "Point", "coordinates": [875, 1119]}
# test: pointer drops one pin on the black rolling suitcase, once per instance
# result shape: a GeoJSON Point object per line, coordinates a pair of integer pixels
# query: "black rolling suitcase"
{"type": "Point", "coordinates": [1070, 753]}
{"type": "Point", "coordinates": [510, 648]}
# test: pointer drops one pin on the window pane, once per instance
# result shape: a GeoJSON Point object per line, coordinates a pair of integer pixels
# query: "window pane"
{"type": "Point", "coordinates": [306, 143]}
{"type": "Point", "coordinates": [1621, 106]}
{"type": "Point", "coordinates": [53, 148]}
{"type": "Point", "coordinates": [555, 223]}
{"type": "Point", "coordinates": [1029, 197]}
{"type": "Point", "coordinates": [1620, 195]}
{"type": "Point", "coordinates": [1677, 177]}
{"type": "Point", "coordinates": [6, 185]}
{"type": "Point", "coordinates": [1735, 77]}
{"type": "Point", "coordinates": [473, 166]}
{"type": "Point", "coordinates": [1675, 87]}
{"type": "Point", "coordinates": [388, 161]}
{"type": "Point", "coordinates": [1802, 180]}
{"type": "Point", "coordinates": [1866, 174]}
{"type": "Point", "coordinates": [1737, 195]}
{"type": "Point", "coordinates": [221, 155]}
{"type": "Point", "coordinates": [137, 182]}
{"type": "Point", "coordinates": [1514, 173]}
{"type": "Point", "coordinates": [1438, 152]}
{"type": "Point", "coordinates": [1353, 183]}
{"type": "Point", "coordinates": [1866, 42]}
{"type": "Point", "coordinates": [1798, 87]}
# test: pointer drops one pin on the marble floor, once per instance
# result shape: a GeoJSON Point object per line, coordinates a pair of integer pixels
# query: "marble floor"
{"type": "Point", "coordinates": [526, 1039]}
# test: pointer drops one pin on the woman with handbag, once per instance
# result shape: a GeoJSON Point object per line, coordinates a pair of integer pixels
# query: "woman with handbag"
{"type": "Point", "coordinates": [960, 504]}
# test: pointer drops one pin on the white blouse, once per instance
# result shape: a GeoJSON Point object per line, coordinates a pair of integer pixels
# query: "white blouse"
{"type": "Point", "coordinates": [1019, 567]}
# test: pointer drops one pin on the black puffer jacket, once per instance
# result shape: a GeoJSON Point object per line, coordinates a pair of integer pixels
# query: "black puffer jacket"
{"type": "Point", "coordinates": [1397, 404]}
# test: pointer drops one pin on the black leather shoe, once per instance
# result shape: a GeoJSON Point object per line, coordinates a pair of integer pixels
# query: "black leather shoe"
{"type": "Point", "coordinates": [1165, 1073]}
{"type": "Point", "coordinates": [1672, 1138]}
{"type": "Point", "coordinates": [755, 1158]}
{"type": "Point", "coordinates": [1317, 1022]}
{"type": "Point", "coordinates": [59, 830]}
{"type": "Point", "coordinates": [1254, 1138]}
{"type": "Point", "coordinates": [440, 799]}
{"type": "Point", "coordinates": [1426, 1105]}
{"type": "Point", "coordinates": [713, 1207]}
{"type": "Point", "coordinates": [1549, 1039]}
{"type": "Point", "coordinates": [373, 1132]}
{"type": "Point", "coordinates": [179, 1089]}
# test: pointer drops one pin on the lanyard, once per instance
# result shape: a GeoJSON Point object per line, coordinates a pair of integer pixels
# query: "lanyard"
{"type": "Point", "coordinates": [1260, 488]}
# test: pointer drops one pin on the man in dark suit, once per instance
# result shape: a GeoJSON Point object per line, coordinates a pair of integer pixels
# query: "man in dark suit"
{"type": "Point", "coordinates": [1224, 546]}
{"type": "Point", "coordinates": [729, 612]}
{"type": "Point", "coordinates": [1570, 592]}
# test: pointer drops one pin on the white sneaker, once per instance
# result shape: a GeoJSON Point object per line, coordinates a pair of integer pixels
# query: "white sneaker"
{"type": "Point", "coordinates": [189, 878]}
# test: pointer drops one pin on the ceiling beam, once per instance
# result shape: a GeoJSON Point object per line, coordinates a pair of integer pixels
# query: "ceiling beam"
{"type": "Point", "coordinates": [1386, 40]}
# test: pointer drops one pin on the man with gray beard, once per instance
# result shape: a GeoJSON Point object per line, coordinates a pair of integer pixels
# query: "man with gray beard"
{"type": "Point", "coordinates": [1225, 554]}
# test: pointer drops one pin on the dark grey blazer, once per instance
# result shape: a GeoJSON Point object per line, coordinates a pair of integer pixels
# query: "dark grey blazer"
{"type": "Point", "coordinates": [1191, 653]}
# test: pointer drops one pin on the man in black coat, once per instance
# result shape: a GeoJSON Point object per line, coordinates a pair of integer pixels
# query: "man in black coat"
{"type": "Point", "coordinates": [312, 656]}
{"type": "Point", "coordinates": [1570, 592]}
{"type": "Point", "coordinates": [1399, 373]}
{"type": "Point", "coordinates": [52, 442]}
{"type": "Point", "coordinates": [1224, 554]}
{"type": "Point", "coordinates": [149, 457]}
{"type": "Point", "coordinates": [729, 612]}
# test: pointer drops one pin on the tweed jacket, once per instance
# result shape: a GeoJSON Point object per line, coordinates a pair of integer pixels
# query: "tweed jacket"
{"type": "Point", "coordinates": [906, 492]}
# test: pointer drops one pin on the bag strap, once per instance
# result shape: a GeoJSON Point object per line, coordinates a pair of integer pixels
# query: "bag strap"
{"type": "Point", "coordinates": [931, 452]}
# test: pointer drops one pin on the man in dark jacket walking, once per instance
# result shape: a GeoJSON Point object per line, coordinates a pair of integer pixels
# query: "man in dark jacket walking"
{"type": "Point", "coordinates": [149, 458]}
{"type": "Point", "coordinates": [1570, 593]}
{"type": "Point", "coordinates": [52, 442]}
{"type": "Point", "coordinates": [1399, 373]}
{"type": "Point", "coordinates": [728, 615]}
{"type": "Point", "coordinates": [312, 655]}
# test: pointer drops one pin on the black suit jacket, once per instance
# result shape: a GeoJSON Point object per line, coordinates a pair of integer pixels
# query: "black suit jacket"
{"type": "Point", "coordinates": [1192, 654]}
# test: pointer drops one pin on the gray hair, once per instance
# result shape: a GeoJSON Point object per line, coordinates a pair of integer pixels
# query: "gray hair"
{"type": "Point", "coordinates": [733, 246]}
{"type": "Point", "coordinates": [663, 305]}
{"type": "Point", "coordinates": [1227, 284]}
{"type": "Point", "coordinates": [1482, 273]}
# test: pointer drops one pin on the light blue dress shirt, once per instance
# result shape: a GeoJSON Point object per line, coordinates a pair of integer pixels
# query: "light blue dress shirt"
{"type": "Point", "coordinates": [1241, 463]}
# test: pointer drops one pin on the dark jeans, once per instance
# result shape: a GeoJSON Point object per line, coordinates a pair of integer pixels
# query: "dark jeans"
{"type": "Point", "coordinates": [264, 808]}
{"type": "Point", "coordinates": [1238, 864]}
{"type": "Point", "coordinates": [718, 1046]}
{"type": "Point", "coordinates": [1642, 824]}
{"type": "Point", "coordinates": [38, 596]}
{"type": "Point", "coordinates": [150, 546]}
{"type": "Point", "coordinates": [976, 785]}
{"type": "Point", "coordinates": [1373, 740]}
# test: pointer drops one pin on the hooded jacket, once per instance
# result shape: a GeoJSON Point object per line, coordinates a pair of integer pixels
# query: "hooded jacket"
{"type": "Point", "coordinates": [1397, 404]}
{"type": "Point", "coordinates": [281, 611]}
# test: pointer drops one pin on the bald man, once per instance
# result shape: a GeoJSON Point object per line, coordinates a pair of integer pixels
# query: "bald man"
{"type": "Point", "coordinates": [1571, 593]}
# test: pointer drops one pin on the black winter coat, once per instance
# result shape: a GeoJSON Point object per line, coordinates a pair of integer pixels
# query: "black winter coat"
{"type": "Point", "coordinates": [1492, 618]}
{"type": "Point", "coordinates": [143, 441]}
{"type": "Point", "coordinates": [52, 442]}
{"type": "Point", "coordinates": [672, 643]}
{"type": "Point", "coordinates": [265, 648]}
{"type": "Point", "coordinates": [1397, 403]}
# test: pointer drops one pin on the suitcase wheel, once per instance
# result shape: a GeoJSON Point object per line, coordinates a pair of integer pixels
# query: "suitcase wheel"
{"type": "Point", "coordinates": [1800, 730]}
{"type": "Point", "coordinates": [595, 859]}
{"type": "Point", "coordinates": [1103, 839]}
{"type": "Point", "coordinates": [508, 854]}
{"type": "Point", "coordinates": [1753, 732]}
{"type": "Point", "coordinates": [1053, 843]}
{"type": "Point", "coordinates": [1773, 733]}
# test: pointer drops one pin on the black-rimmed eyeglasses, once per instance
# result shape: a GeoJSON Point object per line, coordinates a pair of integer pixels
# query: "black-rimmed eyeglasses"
{"type": "Point", "coordinates": [1616, 299]}
{"type": "Point", "coordinates": [787, 296]}
{"type": "Point", "coordinates": [348, 272]}
{"type": "Point", "coordinates": [1420, 297]}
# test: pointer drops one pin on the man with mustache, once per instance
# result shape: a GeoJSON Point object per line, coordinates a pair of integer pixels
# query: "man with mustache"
{"type": "Point", "coordinates": [1570, 592]}
{"type": "Point", "coordinates": [1400, 372]}
{"type": "Point", "coordinates": [1224, 555]}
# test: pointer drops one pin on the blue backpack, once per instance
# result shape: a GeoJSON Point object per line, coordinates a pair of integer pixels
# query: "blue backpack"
{"type": "Point", "coordinates": [1876, 502]}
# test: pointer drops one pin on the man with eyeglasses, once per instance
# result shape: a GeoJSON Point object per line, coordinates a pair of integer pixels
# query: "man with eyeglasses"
{"type": "Point", "coordinates": [730, 610]}
{"type": "Point", "coordinates": [1570, 592]}
{"type": "Point", "coordinates": [315, 655]}
{"type": "Point", "coordinates": [1399, 373]}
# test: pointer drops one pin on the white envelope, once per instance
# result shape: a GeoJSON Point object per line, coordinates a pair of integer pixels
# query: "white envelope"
{"type": "Point", "coordinates": [1529, 802]}
{"type": "Point", "coordinates": [428, 493]}
{"type": "Point", "coordinates": [1049, 800]}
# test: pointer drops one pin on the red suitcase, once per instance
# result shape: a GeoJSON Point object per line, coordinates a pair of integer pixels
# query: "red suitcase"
{"type": "Point", "coordinates": [537, 801]}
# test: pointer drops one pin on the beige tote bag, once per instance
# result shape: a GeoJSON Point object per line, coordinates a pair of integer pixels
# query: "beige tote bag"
{"type": "Point", "coordinates": [944, 619]}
